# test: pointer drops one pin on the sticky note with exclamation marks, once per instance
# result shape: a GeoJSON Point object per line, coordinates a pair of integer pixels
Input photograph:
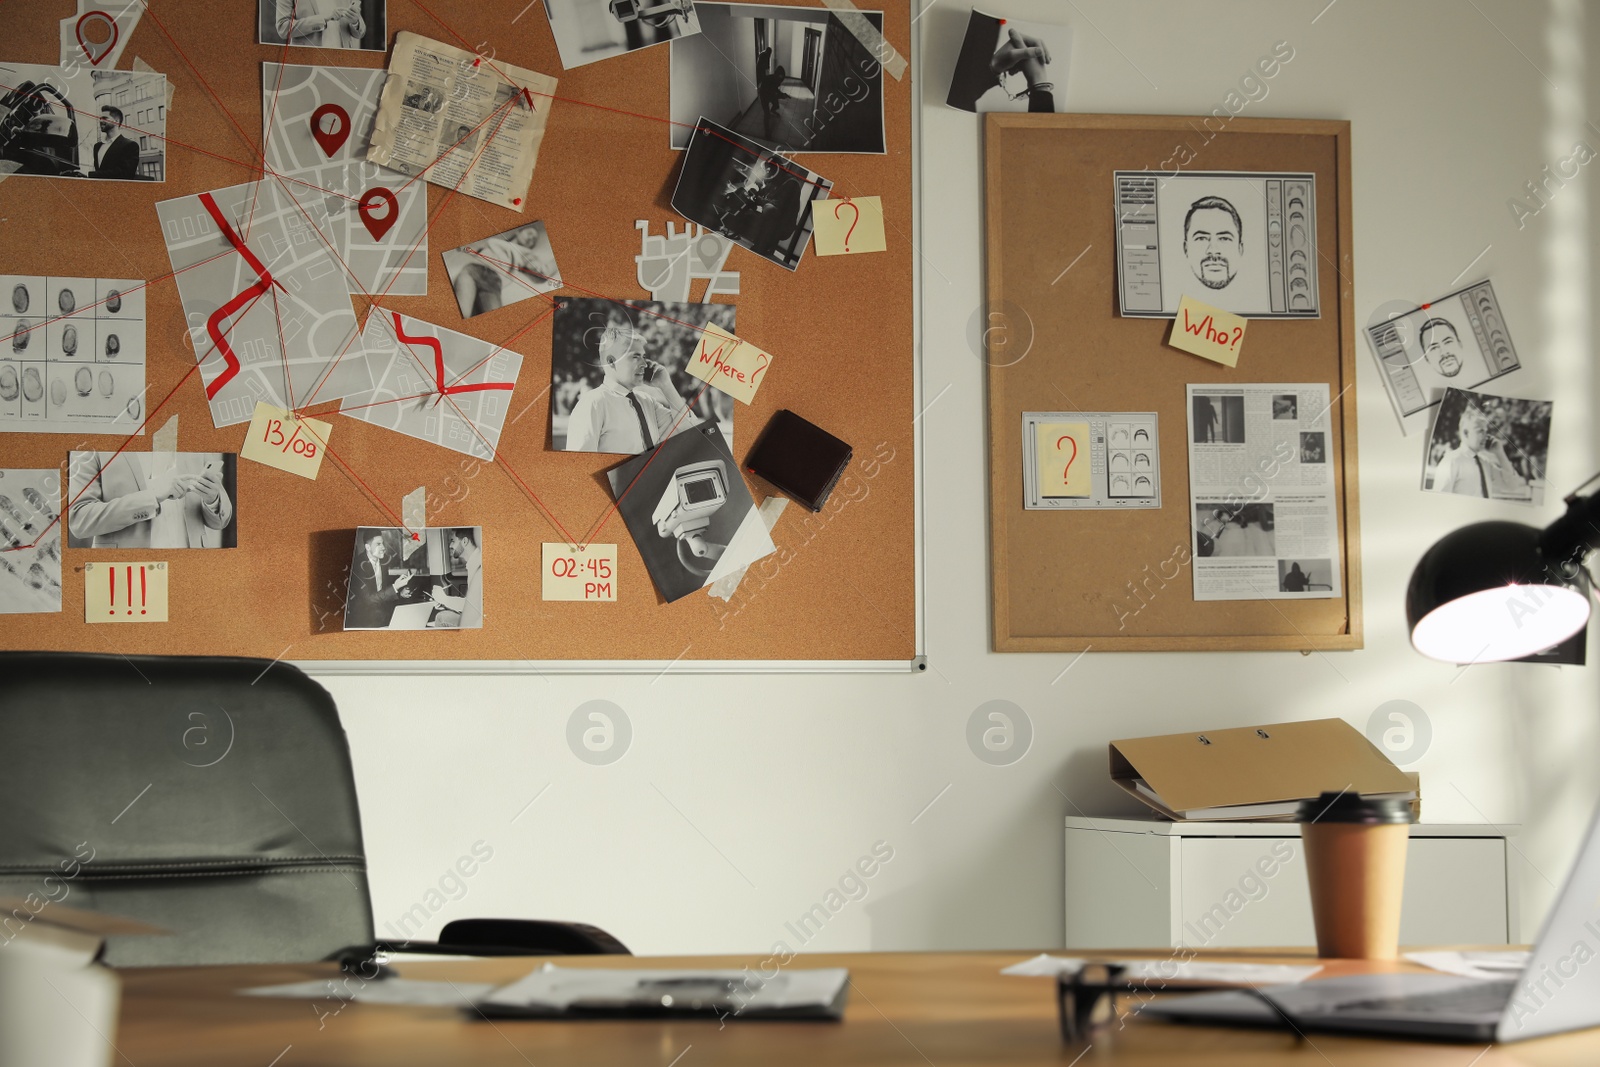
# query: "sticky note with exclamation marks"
{"type": "Point", "coordinates": [125, 592]}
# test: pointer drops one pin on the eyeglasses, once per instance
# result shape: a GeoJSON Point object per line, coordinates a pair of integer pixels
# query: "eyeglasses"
{"type": "Point", "coordinates": [1087, 999]}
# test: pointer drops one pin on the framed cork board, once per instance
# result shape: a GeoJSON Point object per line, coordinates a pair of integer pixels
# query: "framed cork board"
{"type": "Point", "coordinates": [1120, 579]}
{"type": "Point", "coordinates": [605, 162]}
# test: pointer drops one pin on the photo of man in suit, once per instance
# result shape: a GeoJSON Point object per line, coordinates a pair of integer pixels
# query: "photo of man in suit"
{"type": "Point", "coordinates": [116, 155]}
{"type": "Point", "coordinates": [374, 594]}
{"type": "Point", "coordinates": [151, 500]}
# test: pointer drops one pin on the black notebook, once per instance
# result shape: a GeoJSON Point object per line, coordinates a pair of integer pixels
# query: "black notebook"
{"type": "Point", "coordinates": [800, 458]}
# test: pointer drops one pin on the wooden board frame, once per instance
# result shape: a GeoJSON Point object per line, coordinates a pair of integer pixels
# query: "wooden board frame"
{"type": "Point", "coordinates": [1048, 199]}
{"type": "Point", "coordinates": [600, 168]}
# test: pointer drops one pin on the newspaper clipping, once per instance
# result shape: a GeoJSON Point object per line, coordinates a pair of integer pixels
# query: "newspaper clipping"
{"type": "Point", "coordinates": [1261, 490]}
{"type": "Point", "coordinates": [461, 120]}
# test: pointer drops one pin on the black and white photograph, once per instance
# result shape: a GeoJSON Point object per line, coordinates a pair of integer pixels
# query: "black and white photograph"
{"type": "Point", "coordinates": [1305, 576]}
{"type": "Point", "coordinates": [1009, 65]}
{"type": "Point", "coordinates": [152, 500]}
{"type": "Point", "coordinates": [63, 122]}
{"type": "Point", "coordinates": [30, 541]}
{"type": "Point", "coordinates": [1218, 419]}
{"type": "Point", "coordinates": [350, 24]}
{"type": "Point", "coordinates": [1457, 341]}
{"type": "Point", "coordinates": [689, 512]}
{"type": "Point", "coordinates": [618, 377]}
{"type": "Point", "coordinates": [754, 197]}
{"type": "Point", "coordinates": [1313, 446]}
{"type": "Point", "coordinates": [1489, 446]}
{"type": "Point", "coordinates": [516, 265]}
{"type": "Point", "coordinates": [587, 31]}
{"type": "Point", "coordinates": [1245, 242]}
{"type": "Point", "coordinates": [1286, 406]}
{"type": "Point", "coordinates": [1241, 530]}
{"type": "Point", "coordinates": [793, 79]}
{"type": "Point", "coordinates": [430, 579]}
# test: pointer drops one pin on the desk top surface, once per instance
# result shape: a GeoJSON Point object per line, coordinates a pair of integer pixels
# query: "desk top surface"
{"type": "Point", "coordinates": [912, 1009]}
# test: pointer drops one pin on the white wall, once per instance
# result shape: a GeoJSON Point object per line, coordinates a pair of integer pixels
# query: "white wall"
{"type": "Point", "coordinates": [742, 800]}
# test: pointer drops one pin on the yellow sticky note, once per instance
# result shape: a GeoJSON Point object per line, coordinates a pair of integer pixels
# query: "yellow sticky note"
{"type": "Point", "coordinates": [124, 592]}
{"type": "Point", "coordinates": [287, 441]}
{"type": "Point", "coordinates": [585, 573]}
{"type": "Point", "coordinates": [1207, 332]}
{"type": "Point", "coordinates": [732, 365]}
{"type": "Point", "coordinates": [1063, 454]}
{"type": "Point", "coordinates": [849, 226]}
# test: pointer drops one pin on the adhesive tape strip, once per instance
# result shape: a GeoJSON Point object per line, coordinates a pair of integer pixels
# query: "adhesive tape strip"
{"type": "Point", "coordinates": [166, 438]}
{"type": "Point", "coordinates": [868, 35]}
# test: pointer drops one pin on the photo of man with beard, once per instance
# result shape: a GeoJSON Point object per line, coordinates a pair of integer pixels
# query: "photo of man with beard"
{"type": "Point", "coordinates": [1213, 241]}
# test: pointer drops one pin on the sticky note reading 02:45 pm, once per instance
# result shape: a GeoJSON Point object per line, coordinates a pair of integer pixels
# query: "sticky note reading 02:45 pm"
{"type": "Point", "coordinates": [1063, 451]}
{"type": "Point", "coordinates": [587, 572]}
{"type": "Point", "coordinates": [125, 592]}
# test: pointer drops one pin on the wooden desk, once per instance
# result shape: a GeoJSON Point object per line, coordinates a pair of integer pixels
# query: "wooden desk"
{"type": "Point", "coordinates": [911, 1009]}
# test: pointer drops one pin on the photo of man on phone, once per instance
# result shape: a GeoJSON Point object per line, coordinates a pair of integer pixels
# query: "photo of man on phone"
{"type": "Point", "coordinates": [635, 409]}
{"type": "Point", "coordinates": [151, 500]}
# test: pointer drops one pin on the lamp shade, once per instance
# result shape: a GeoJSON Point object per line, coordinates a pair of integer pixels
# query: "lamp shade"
{"type": "Point", "coordinates": [1487, 592]}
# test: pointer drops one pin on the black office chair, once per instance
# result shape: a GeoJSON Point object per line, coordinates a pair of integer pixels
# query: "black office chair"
{"type": "Point", "coordinates": [212, 797]}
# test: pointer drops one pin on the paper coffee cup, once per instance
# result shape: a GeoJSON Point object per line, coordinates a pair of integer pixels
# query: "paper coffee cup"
{"type": "Point", "coordinates": [1355, 850]}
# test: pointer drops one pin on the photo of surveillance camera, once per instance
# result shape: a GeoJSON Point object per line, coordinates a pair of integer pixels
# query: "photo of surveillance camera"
{"type": "Point", "coordinates": [587, 31]}
{"type": "Point", "coordinates": [690, 514]}
{"type": "Point", "coordinates": [657, 14]}
{"type": "Point", "coordinates": [696, 492]}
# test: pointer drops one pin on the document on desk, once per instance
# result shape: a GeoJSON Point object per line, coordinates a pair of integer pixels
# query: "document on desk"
{"type": "Point", "coordinates": [1170, 969]}
{"type": "Point", "coordinates": [404, 991]}
{"type": "Point", "coordinates": [556, 992]}
{"type": "Point", "coordinates": [1490, 965]}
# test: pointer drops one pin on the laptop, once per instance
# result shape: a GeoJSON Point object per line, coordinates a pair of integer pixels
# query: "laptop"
{"type": "Point", "coordinates": [1559, 990]}
{"type": "Point", "coordinates": [412, 616]}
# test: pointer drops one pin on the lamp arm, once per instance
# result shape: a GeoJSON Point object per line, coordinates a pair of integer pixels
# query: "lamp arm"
{"type": "Point", "coordinates": [1564, 543]}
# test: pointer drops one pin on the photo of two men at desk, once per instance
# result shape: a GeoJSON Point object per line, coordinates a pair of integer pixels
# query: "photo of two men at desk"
{"type": "Point", "coordinates": [430, 579]}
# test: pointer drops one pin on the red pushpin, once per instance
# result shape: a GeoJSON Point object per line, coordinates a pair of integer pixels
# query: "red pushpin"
{"type": "Point", "coordinates": [334, 139]}
{"type": "Point", "coordinates": [373, 198]}
{"type": "Point", "coordinates": [97, 50]}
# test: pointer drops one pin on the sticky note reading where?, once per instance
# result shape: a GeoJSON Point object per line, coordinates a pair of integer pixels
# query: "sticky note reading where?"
{"type": "Point", "coordinates": [124, 592]}
{"type": "Point", "coordinates": [587, 572]}
{"type": "Point", "coordinates": [849, 226]}
{"type": "Point", "coordinates": [734, 366]}
{"type": "Point", "coordinates": [1207, 332]}
{"type": "Point", "coordinates": [287, 441]}
{"type": "Point", "coordinates": [1063, 455]}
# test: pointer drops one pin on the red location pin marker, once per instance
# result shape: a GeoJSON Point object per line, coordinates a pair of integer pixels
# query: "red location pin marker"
{"type": "Point", "coordinates": [90, 23]}
{"type": "Point", "coordinates": [373, 198]}
{"type": "Point", "coordinates": [334, 139]}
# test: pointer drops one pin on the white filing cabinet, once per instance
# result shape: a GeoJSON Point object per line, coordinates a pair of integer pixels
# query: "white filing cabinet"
{"type": "Point", "coordinates": [1151, 883]}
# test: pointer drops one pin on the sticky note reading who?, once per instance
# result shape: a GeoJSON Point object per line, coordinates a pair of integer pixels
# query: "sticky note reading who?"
{"type": "Point", "coordinates": [1063, 454]}
{"type": "Point", "coordinates": [732, 365]}
{"type": "Point", "coordinates": [849, 226]}
{"type": "Point", "coordinates": [586, 573]}
{"type": "Point", "coordinates": [1207, 332]}
{"type": "Point", "coordinates": [124, 592]}
{"type": "Point", "coordinates": [287, 441]}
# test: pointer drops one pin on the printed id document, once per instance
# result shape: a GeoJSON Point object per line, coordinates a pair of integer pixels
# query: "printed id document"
{"type": "Point", "coordinates": [1261, 493]}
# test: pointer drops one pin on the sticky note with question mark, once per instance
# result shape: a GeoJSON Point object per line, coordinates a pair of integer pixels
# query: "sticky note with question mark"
{"type": "Point", "coordinates": [1063, 451]}
{"type": "Point", "coordinates": [1207, 332]}
{"type": "Point", "coordinates": [735, 366]}
{"type": "Point", "coordinates": [849, 226]}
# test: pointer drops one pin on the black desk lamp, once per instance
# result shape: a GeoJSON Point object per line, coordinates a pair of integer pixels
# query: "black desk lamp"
{"type": "Point", "coordinates": [1498, 591]}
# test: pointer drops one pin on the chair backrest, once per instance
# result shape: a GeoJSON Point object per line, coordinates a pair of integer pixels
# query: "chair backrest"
{"type": "Point", "coordinates": [212, 797]}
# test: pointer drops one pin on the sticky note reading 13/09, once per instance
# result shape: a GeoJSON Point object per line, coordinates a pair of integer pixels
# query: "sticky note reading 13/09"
{"type": "Point", "coordinates": [1063, 453]}
{"type": "Point", "coordinates": [124, 592]}
{"type": "Point", "coordinates": [849, 226]}
{"type": "Point", "coordinates": [287, 441]}
{"type": "Point", "coordinates": [587, 573]}
{"type": "Point", "coordinates": [1207, 332]}
{"type": "Point", "coordinates": [732, 365]}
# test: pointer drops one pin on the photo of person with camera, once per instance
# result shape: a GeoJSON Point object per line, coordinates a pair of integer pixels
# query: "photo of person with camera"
{"type": "Point", "coordinates": [1489, 446]}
